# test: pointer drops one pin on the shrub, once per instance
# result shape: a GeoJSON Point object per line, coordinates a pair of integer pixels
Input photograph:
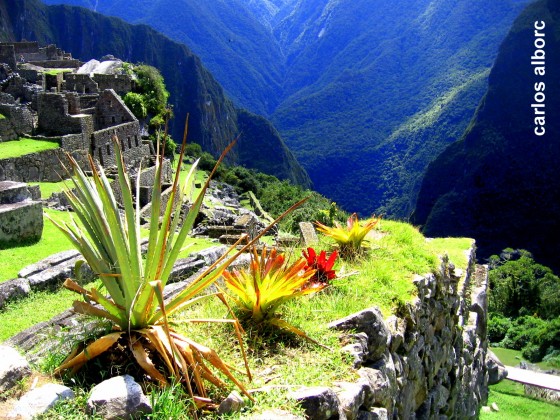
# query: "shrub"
{"type": "Point", "coordinates": [135, 102]}
{"type": "Point", "coordinates": [532, 352]}
{"type": "Point", "coordinates": [322, 265]}
{"type": "Point", "coordinates": [269, 282]}
{"type": "Point", "coordinates": [519, 285]}
{"type": "Point", "coordinates": [498, 326]}
{"type": "Point", "coordinates": [350, 239]}
{"type": "Point", "coordinates": [522, 332]}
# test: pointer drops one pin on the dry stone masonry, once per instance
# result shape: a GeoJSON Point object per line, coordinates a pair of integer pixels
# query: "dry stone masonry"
{"type": "Point", "coordinates": [428, 362]}
{"type": "Point", "coordinates": [21, 214]}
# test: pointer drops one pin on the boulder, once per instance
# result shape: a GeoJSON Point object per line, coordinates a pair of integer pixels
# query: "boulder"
{"type": "Point", "coordinates": [496, 369]}
{"type": "Point", "coordinates": [13, 367]}
{"type": "Point", "coordinates": [369, 321]}
{"type": "Point", "coordinates": [40, 400]}
{"type": "Point", "coordinates": [117, 398]}
{"type": "Point", "coordinates": [319, 403]}
{"type": "Point", "coordinates": [13, 289]}
{"type": "Point", "coordinates": [232, 404]}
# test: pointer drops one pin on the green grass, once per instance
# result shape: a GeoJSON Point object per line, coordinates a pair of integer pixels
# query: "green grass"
{"type": "Point", "coordinates": [383, 279]}
{"type": "Point", "coordinates": [514, 404]}
{"type": "Point", "coordinates": [511, 357]}
{"type": "Point", "coordinates": [48, 188]}
{"type": "Point", "coordinates": [2, 116]}
{"type": "Point", "coordinates": [455, 248]}
{"type": "Point", "coordinates": [54, 72]}
{"type": "Point", "coordinates": [37, 307]}
{"type": "Point", "coordinates": [12, 260]}
{"type": "Point", "coordinates": [25, 146]}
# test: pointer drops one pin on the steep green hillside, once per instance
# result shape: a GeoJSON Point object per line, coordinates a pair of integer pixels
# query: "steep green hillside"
{"type": "Point", "coordinates": [214, 119]}
{"type": "Point", "coordinates": [500, 182]}
{"type": "Point", "coordinates": [386, 90]}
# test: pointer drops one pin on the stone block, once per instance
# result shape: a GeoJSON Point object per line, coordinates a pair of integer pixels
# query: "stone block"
{"type": "Point", "coordinates": [20, 222]}
{"type": "Point", "coordinates": [308, 234]}
{"type": "Point", "coordinates": [13, 289]}
{"type": "Point", "coordinates": [13, 367]}
{"type": "Point", "coordinates": [13, 192]}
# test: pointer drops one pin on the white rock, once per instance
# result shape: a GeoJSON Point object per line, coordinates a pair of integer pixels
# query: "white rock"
{"type": "Point", "coordinates": [13, 367]}
{"type": "Point", "coordinates": [117, 398]}
{"type": "Point", "coordinates": [39, 400]}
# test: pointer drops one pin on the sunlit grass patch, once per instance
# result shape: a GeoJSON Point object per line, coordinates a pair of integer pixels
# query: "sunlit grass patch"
{"type": "Point", "coordinates": [12, 260]}
{"type": "Point", "coordinates": [514, 404]}
{"type": "Point", "coordinates": [25, 146]}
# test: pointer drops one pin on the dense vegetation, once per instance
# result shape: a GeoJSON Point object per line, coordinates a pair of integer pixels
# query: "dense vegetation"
{"type": "Point", "coordinates": [499, 183]}
{"type": "Point", "coordinates": [524, 306]}
{"type": "Point", "coordinates": [274, 195]}
{"type": "Point", "coordinates": [214, 119]}
{"type": "Point", "coordinates": [396, 83]}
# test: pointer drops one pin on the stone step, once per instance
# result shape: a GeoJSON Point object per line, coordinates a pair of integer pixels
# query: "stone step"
{"type": "Point", "coordinates": [13, 192]}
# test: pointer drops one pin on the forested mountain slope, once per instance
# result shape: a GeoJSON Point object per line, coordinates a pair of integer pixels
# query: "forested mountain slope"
{"type": "Point", "coordinates": [500, 183]}
{"type": "Point", "coordinates": [365, 93]}
{"type": "Point", "coordinates": [214, 119]}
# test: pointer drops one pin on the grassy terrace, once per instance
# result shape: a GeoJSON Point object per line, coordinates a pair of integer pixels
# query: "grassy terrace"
{"type": "Point", "coordinates": [25, 146]}
{"type": "Point", "coordinates": [514, 404]}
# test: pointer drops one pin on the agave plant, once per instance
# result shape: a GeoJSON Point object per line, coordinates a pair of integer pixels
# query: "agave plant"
{"type": "Point", "coordinates": [350, 239]}
{"type": "Point", "coordinates": [109, 240]}
{"type": "Point", "coordinates": [269, 282]}
{"type": "Point", "coordinates": [322, 265]}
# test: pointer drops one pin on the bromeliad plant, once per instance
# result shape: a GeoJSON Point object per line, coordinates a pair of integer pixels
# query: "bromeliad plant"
{"type": "Point", "coordinates": [269, 282]}
{"type": "Point", "coordinates": [322, 265]}
{"type": "Point", "coordinates": [109, 241]}
{"type": "Point", "coordinates": [352, 239]}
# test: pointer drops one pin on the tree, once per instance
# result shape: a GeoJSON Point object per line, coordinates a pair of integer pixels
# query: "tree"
{"type": "Point", "coordinates": [519, 285]}
{"type": "Point", "coordinates": [135, 102]}
{"type": "Point", "coordinates": [151, 85]}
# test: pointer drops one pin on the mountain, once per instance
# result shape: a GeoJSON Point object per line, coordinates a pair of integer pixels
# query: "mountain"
{"type": "Point", "coordinates": [365, 93]}
{"type": "Point", "coordinates": [499, 182]}
{"type": "Point", "coordinates": [214, 119]}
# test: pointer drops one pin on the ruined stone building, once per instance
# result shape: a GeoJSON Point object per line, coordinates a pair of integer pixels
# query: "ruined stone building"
{"type": "Point", "coordinates": [81, 111]}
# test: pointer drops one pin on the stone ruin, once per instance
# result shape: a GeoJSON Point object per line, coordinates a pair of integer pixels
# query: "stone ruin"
{"type": "Point", "coordinates": [74, 106]}
{"type": "Point", "coordinates": [21, 213]}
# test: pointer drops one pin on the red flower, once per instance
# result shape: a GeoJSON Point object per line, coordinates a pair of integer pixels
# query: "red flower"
{"type": "Point", "coordinates": [321, 264]}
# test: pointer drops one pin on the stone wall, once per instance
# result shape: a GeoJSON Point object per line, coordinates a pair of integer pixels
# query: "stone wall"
{"type": "Point", "coordinates": [37, 167]}
{"type": "Point", "coordinates": [429, 362]}
{"type": "Point", "coordinates": [8, 55]}
{"type": "Point", "coordinates": [54, 117]}
{"type": "Point", "coordinates": [81, 83]}
{"type": "Point", "coordinates": [19, 117]}
{"type": "Point", "coordinates": [56, 64]}
{"type": "Point", "coordinates": [110, 111]}
{"type": "Point", "coordinates": [131, 144]}
{"type": "Point", "coordinates": [120, 83]}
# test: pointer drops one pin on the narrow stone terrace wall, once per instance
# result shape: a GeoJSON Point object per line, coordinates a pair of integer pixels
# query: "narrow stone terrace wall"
{"type": "Point", "coordinates": [426, 363]}
{"type": "Point", "coordinates": [37, 167]}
